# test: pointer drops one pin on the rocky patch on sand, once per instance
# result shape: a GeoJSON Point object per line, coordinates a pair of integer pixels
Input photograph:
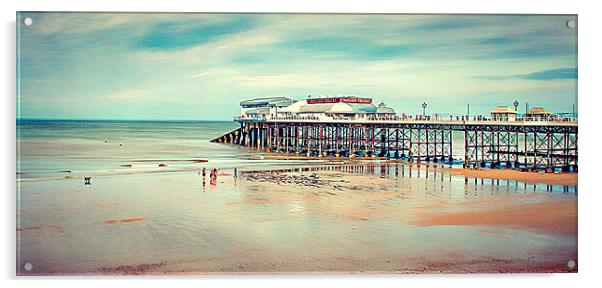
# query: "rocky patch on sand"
{"type": "Point", "coordinates": [132, 269]}
{"type": "Point", "coordinates": [306, 180]}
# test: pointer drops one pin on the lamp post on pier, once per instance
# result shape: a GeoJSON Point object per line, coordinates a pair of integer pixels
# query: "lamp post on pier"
{"type": "Point", "coordinates": [424, 109]}
{"type": "Point", "coordinates": [515, 105]}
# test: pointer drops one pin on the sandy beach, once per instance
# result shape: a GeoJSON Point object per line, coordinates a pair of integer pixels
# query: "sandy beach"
{"type": "Point", "coordinates": [334, 218]}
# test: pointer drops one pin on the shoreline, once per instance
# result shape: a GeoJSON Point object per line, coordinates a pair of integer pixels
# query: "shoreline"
{"type": "Point", "coordinates": [559, 178]}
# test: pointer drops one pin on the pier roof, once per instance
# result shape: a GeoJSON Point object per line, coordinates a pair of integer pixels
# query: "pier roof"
{"type": "Point", "coordinates": [362, 108]}
{"type": "Point", "coordinates": [503, 109]}
{"type": "Point", "coordinates": [338, 108]}
{"type": "Point", "coordinates": [258, 111]}
{"type": "Point", "coordinates": [316, 108]}
{"type": "Point", "coordinates": [538, 111]}
{"type": "Point", "coordinates": [384, 109]}
{"type": "Point", "coordinates": [268, 102]}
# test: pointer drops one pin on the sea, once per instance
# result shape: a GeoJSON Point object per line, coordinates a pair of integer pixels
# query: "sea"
{"type": "Point", "coordinates": [48, 149]}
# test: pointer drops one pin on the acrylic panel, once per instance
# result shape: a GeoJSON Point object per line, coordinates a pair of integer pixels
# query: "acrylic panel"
{"type": "Point", "coordinates": [193, 143]}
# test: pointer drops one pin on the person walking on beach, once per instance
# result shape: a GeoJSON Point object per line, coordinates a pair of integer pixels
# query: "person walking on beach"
{"type": "Point", "coordinates": [203, 172]}
{"type": "Point", "coordinates": [235, 173]}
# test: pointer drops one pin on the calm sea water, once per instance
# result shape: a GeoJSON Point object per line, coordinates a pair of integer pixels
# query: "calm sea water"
{"type": "Point", "coordinates": [55, 148]}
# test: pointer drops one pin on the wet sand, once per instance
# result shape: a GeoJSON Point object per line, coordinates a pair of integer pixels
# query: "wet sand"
{"type": "Point", "coordinates": [554, 217]}
{"type": "Point", "coordinates": [496, 174]}
{"type": "Point", "coordinates": [343, 218]}
{"type": "Point", "coordinates": [527, 177]}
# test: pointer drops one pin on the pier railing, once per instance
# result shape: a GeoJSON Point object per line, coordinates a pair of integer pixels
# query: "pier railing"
{"type": "Point", "coordinates": [476, 120]}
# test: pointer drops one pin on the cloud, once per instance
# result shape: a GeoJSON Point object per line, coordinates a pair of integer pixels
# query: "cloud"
{"type": "Point", "coordinates": [73, 23]}
{"type": "Point", "coordinates": [497, 40]}
{"type": "Point", "coordinates": [346, 47]}
{"type": "Point", "coordinates": [448, 24]}
{"type": "Point", "coordinates": [171, 36]}
{"type": "Point", "coordinates": [561, 73]}
{"type": "Point", "coordinates": [552, 74]}
{"type": "Point", "coordinates": [199, 66]}
{"type": "Point", "coordinates": [125, 95]}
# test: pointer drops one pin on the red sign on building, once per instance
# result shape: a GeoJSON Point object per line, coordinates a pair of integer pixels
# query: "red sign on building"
{"type": "Point", "coordinates": [339, 99]}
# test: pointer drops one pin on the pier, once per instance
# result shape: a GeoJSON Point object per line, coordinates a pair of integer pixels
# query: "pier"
{"type": "Point", "coordinates": [531, 143]}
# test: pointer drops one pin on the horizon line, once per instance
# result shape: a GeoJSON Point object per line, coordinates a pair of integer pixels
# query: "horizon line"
{"type": "Point", "coordinates": [118, 119]}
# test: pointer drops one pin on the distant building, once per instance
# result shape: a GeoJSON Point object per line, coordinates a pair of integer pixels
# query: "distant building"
{"type": "Point", "coordinates": [503, 113]}
{"type": "Point", "coordinates": [538, 114]}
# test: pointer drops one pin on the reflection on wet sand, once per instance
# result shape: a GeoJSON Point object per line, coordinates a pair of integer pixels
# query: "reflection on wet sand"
{"type": "Point", "coordinates": [435, 172]}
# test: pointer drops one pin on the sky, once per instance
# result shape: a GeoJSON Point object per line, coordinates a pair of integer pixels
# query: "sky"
{"type": "Point", "coordinates": [200, 66]}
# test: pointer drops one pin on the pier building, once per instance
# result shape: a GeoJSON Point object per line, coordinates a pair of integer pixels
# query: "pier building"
{"type": "Point", "coordinates": [538, 114]}
{"type": "Point", "coordinates": [503, 113]}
